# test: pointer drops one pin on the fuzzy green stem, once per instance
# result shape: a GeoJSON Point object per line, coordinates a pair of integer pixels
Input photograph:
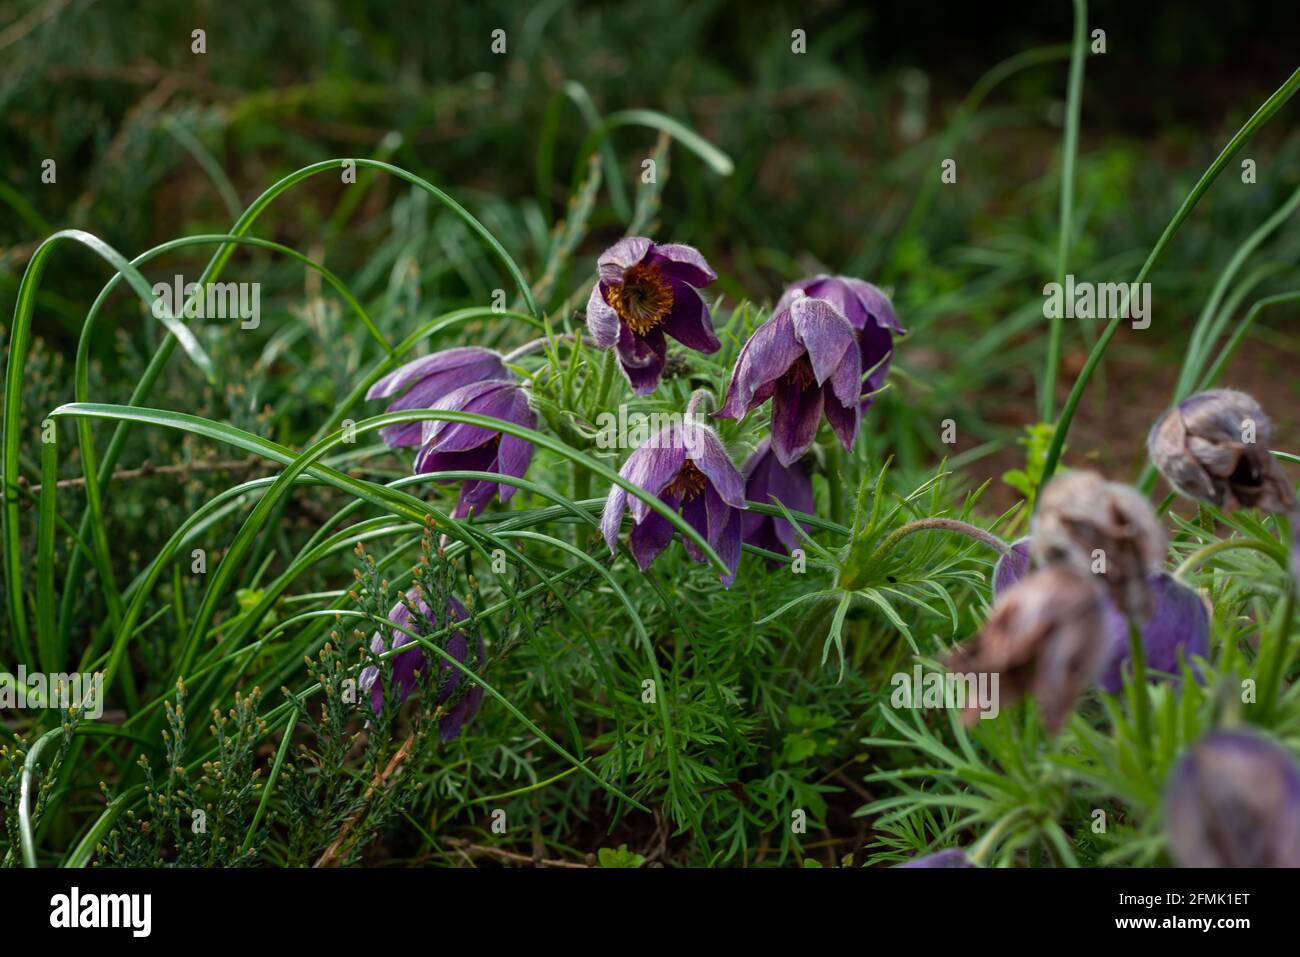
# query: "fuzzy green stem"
{"type": "Point", "coordinates": [946, 525]}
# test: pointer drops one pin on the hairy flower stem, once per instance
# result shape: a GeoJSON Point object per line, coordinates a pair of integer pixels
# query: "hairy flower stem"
{"type": "Point", "coordinates": [698, 396]}
{"type": "Point", "coordinates": [946, 525]}
{"type": "Point", "coordinates": [537, 345]}
{"type": "Point", "coordinates": [1141, 699]}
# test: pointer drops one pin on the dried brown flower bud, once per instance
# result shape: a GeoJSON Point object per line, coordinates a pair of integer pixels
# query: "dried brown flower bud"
{"type": "Point", "coordinates": [1213, 447]}
{"type": "Point", "coordinates": [1104, 529]}
{"type": "Point", "coordinates": [1046, 636]}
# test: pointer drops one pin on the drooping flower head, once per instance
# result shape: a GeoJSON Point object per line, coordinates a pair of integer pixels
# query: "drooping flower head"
{"type": "Point", "coordinates": [870, 313]}
{"type": "Point", "coordinates": [427, 380]}
{"type": "Point", "coordinates": [455, 446]}
{"type": "Point", "coordinates": [687, 467]}
{"type": "Point", "coordinates": [1102, 528]}
{"type": "Point", "coordinates": [1213, 447]}
{"type": "Point", "coordinates": [1046, 636]}
{"type": "Point", "coordinates": [1179, 622]}
{"type": "Point", "coordinates": [767, 481]}
{"type": "Point", "coordinates": [806, 360]}
{"type": "Point", "coordinates": [644, 292]}
{"type": "Point", "coordinates": [1234, 801]}
{"type": "Point", "coordinates": [410, 664]}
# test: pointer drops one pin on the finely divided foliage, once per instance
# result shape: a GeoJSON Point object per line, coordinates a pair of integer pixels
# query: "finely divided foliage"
{"type": "Point", "coordinates": [423, 616]}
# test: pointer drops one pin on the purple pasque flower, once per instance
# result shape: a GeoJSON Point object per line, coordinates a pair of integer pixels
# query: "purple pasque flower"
{"type": "Point", "coordinates": [426, 380]}
{"type": "Point", "coordinates": [806, 360]}
{"type": "Point", "coordinates": [767, 481]}
{"type": "Point", "coordinates": [644, 291]}
{"type": "Point", "coordinates": [1233, 800]}
{"type": "Point", "coordinates": [410, 664]}
{"type": "Point", "coordinates": [1179, 621]}
{"type": "Point", "coordinates": [452, 446]}
{"type": "Point", "coordinates": [687, 467]}
{"type": "Point", "coordinates": [870, 313]}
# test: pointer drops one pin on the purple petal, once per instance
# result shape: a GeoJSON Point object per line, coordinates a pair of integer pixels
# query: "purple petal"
{"type": "Point", "coordinates": [728, 545]}
{"type": "Point", "coordinates": [826, 335]}
{"type": "Point", "coordinates": [953, 857]}
{"type": "Point", "coordinates": [770, 351]}
{"type": "Point", "coordinates": [767, 481]}
{"type": "Point", "coordinates": [1012, 566]}
{"type": "Point", "coordinates": [643, 358]}
{"type": "Point", "coordinates": [683, 262]}
{"type": "Point", "coordinates": [688, 322]}
{"type": "Point", "coordinates": [876, 304]}
{"type": "Point", "coordinates": [844, 420]}
{"type": "Point", "coordinates": [652, 466]}
{"type": "Point", "coordinates": [696, 514]}
{"type": "Point", "coordinates": [705, 449]}
{"type": "Point", "coordinates": [611, 519]}
{"type": "Point", "coordinates": [466, 364]}
{"type": "Point", "coordinates": [650, 537]}
{"type": "Point", "coordinates": [796, 413]}
{"type": "Point", "coordinates": [493, 399]}
{"type": "Point", "coordinates": [602, 320]}
{"type": "Point", "coordinates": [620, 257]}
{"type": "Point", "coordinates": [1179, 622]}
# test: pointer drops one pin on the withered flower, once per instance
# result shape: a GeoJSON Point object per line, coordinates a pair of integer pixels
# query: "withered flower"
{"type": "Point", "coordinates": [1213, 447]}
{"type": "Point", "coordinates": [1046, 636]}
{"type": "Point", "coordinates": [1101, 528]}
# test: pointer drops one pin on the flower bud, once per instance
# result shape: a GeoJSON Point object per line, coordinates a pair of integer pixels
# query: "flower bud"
{"type": "Point", "coordinates": [1234, 801]}
{"type": "Point", "coordinates": [1046, 636]}
{"type": "Point", "coordinates": [1213, 447]}
{"type": "Point", "coordinates": [1102, 528]}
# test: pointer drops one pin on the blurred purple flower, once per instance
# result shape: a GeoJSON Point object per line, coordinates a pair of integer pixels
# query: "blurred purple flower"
{"type": "Point", "coordinates": [767, 482]}
{"type": "Point", "coordinates": [644, 291]}
{"type": "Point", "coordinates": [687, 467]}
{"type": "Point", "coordinates": [452, 446]}
{"type": "Point", "coordinates": [1234, 801]}
{"type": "Point", "coordinates": [953, 857]}
{"type": "Point", "coordinates": [805, 359]}
{"type": "Point", "coordinates": [429, 379]}
{"type": "Point", "coordinates": [409, 665]}
{"type": "Point", "coordinates": [1180, 620]}
{"type": "Point", "coordinates": [870, 313]}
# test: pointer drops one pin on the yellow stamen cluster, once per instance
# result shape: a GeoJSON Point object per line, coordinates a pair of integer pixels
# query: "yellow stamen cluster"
{"type": "Point", "coordinates": [643, 299]}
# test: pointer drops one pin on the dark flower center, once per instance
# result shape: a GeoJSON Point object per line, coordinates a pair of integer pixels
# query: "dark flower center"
{"type": "Point", "coordinates": [801, 373]}
{"type": "Point", "coordinates": [644, 298]}
{"type": "Point", "coordinates": [689, 483]}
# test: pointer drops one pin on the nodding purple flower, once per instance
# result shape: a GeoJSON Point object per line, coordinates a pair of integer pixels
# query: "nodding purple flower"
{"type": "Point", "coordinates": [1234, 801]}
{"type": "Point", "coordinates": [644, 291]}
{"type": "Point", "coordinates": [1213, 447]}
{"type": "Point", "coordinates": [767, 482]}
{"type": "Point", "coordinates": [953, 857]}
{"type": "Point", "coordinates": [806, 360]}
{"type": "Point", "coordinates": [409, 665]}
{"type": "Point", "coordinates": [452, 446]}
{"type": "Point", "coordinates": [1179, 621]}
{"type": "Point", "coordinates": [870, 313]}
{"type": "Point", "coordinates": [427, 380]}
{"type": "Point", "coordinates": [687, 467]}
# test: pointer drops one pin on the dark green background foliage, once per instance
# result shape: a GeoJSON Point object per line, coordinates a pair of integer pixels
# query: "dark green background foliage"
{"type": "Point", "coordinates": [836, 159]}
